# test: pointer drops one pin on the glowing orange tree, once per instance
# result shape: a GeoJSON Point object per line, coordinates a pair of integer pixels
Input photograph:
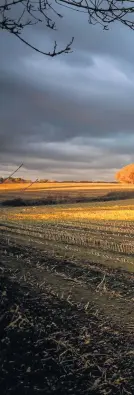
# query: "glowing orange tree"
{"type": "Point", "coordinates": [126, 174]}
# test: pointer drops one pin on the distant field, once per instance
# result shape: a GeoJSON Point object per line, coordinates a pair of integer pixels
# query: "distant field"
{"type": "Point", "coordinates": [64, 186]}
{"type": "Point", "coordinates": [61, 191]}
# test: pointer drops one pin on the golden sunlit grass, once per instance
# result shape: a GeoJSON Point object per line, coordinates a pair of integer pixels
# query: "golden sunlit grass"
{"type": "Point", "coordinates": [58, 193]}
{"type": "Point", "coordinates": [63, 186]}
{"type": "Point", "coordinates": [75, 212]}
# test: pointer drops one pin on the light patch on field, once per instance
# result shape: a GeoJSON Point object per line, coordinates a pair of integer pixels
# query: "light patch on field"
{"type": "Point", "coordinates": [65, 186]}
{"type": "Point", "coordinates": [77, 213]}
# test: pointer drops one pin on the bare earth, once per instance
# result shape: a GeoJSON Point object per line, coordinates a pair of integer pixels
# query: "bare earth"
{"type": "Point", "coordinates": [67, 300]}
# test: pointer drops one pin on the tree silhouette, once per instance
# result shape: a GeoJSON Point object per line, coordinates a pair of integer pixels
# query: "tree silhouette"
{"type": "Point", "coordinates": [16, 15]}
{"type": "Point", "coordinates": [11, 175]}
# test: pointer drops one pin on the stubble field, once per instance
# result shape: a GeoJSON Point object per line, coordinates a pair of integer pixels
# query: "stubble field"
{"type": "Point", "coordinates": [67, 297]}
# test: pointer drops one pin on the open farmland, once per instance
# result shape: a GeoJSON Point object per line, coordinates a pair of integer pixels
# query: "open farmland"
{"type": "Point", "coordinates": [62, 192]}
{"type": "Point", "coordinates": [67, 298]}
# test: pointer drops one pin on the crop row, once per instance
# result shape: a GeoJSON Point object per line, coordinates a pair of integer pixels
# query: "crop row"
{"type": "Point", "coordinates": [74, 237]}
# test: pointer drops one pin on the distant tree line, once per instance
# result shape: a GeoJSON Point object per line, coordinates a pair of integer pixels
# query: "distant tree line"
{"type": "Point", "coordinates": [13, 180]}
{"type": "Point", "coordinates": [20, 180]}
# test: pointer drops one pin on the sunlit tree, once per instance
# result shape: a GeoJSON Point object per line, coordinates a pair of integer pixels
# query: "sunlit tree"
{"type": "Point", "coordinates": [126, 174]}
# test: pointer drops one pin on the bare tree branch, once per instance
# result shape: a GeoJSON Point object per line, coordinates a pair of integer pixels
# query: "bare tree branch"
{"type": "Point", "coordinates": [31, 12]}
{"type": "Point", "coordinates": [55, 52]}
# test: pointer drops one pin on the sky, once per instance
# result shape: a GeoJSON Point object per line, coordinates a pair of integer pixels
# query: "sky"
{"type": "Point", "coordinates": [70, 117]}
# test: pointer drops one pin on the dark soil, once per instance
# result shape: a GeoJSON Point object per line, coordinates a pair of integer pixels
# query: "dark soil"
{"type": "Point", "coordinates": [64, 329]}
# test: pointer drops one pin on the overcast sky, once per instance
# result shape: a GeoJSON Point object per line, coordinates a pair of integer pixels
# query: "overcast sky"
{"type": "Point", "coordinates": [69, 117]}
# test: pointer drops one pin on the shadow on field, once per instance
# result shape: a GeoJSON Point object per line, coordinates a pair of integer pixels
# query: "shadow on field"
{"type": "Point", "coordinates": [111, 196]}
{"type": "Point", "coordinates": [50, 346]}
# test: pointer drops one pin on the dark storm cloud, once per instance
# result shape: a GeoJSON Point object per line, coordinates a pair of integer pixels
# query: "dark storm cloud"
{"type": "Point", "coordinates": [70, 114]}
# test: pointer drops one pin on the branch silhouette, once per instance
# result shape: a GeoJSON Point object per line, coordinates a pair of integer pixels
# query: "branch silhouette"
{"type": "Point", "coordinates": [16, 15]}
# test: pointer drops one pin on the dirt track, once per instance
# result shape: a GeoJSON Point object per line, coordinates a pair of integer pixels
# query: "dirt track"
{"type": "Point", "coordinates": [65, 328]}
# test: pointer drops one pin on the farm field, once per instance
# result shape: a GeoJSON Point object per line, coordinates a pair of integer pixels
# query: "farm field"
{"type": "Point", "coordinates": [67, 298]}
{"type": "Point", "coordinates": [60, 192]}
{"type": "Point", "coordinates": [97, 230]}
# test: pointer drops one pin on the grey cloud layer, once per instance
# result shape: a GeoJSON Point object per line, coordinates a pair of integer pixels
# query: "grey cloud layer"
{"type": "Point", "coordinates": [72, 114]}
